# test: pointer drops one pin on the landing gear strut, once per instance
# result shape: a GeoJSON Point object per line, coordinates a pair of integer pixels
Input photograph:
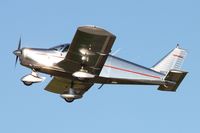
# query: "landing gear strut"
{"type": "Point", "coordinates": [70, 94]}
{"type": "Point", "coordinates": [32, 78]}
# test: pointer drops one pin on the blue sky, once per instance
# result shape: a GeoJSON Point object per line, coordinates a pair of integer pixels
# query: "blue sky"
{"type": "Point", "coordinates": [145, 30]}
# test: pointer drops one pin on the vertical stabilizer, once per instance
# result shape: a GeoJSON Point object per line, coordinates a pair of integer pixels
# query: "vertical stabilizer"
{"type": "Point", "coordinates": [173, 60]}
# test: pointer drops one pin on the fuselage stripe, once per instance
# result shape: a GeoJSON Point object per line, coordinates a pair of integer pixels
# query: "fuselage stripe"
{"type": "Point", "coordinates": [130, 71]}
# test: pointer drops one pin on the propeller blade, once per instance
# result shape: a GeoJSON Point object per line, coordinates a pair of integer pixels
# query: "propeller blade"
{"type": "Point", "coordinates": [16, 60]}
{"type": "Point", "coordinates": [16, 52]}
{"type": "Point", "coordinates": [19, 45]}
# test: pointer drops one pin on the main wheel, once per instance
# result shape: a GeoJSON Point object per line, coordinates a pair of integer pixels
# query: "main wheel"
{"type": "Point", "coordinates": [69, 100]}
{"type": "Point", "coordinates": [27, 83]}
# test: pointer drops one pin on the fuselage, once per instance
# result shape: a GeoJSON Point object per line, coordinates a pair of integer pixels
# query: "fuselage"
{"type": "Point", "coordinates": [47, 61]}
{"type": "Point", "coordinates": [76, 67]}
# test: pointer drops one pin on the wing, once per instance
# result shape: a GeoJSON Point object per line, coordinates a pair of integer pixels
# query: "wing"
{"type": "Point", "coordinates": [89, 50]}
{"type": "Point", "coordinates": [61, 85]}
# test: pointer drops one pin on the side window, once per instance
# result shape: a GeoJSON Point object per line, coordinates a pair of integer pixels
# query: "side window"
{"type": "Point", "coordinates": [66, 48]}
{"type": "Point", "coordinates": [57, 48]}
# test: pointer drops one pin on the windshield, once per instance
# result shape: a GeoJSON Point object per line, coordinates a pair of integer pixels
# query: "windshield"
{"type": "Point", "coordinates": [66, 47]}
{"type": "Point", "coordinates": [58, 48]}
{"type": "Point", "coordinates": [62, 47]}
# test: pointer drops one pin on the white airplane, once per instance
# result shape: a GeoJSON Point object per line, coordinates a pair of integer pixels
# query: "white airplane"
{"type": "Point", "coordinates": [76, 67]}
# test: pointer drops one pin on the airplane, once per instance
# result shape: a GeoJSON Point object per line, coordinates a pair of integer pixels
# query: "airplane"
{"type": "Point", "coordinates": [77, 66]}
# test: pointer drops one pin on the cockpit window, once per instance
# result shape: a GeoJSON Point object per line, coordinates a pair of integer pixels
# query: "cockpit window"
{"type": "Point", "coordinates": [66, 47]}
{"type": "Point", "coordinates": [58, 48]}
{"type": "Point", "coordinates": [63, 47]}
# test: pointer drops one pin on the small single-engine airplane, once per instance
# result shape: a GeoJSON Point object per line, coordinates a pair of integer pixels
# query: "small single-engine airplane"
{"type": "Point", "coordinates": [77, 66]}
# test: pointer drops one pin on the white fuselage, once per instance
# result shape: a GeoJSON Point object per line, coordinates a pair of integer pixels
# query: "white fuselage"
{"type": "Point", "coordinates": [114, 67]}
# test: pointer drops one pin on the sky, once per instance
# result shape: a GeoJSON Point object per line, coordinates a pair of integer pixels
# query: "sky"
{"type": "Point", "coordinates": [146, 31]}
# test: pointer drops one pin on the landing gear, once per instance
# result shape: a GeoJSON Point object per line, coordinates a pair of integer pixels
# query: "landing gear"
{"type": "Point", "coordinates": [70, 94]}
{"type": "Point", "coordinates": [27, 83]}
{"type": "Point", "coordinates": [82, 73]}
{"type": "Point", "coordinates": [69, 100]}
{"type": "Point", "coordinates": [32, 78]}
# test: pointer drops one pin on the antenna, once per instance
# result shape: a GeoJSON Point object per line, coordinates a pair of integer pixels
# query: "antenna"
{"type": "Point", "coordinates": [177, 46]}
{"type": "Point", "coordinates": [114, 53]}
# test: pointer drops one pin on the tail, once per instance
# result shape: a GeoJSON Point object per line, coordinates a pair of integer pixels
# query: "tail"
{"type": "Point", "coordinates": [171, 65]}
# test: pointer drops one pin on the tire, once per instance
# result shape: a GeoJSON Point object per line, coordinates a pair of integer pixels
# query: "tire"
{"type": "Point", "coordinates": [27, 83]}
{"type": "Point", "coordinates": [69, 100]}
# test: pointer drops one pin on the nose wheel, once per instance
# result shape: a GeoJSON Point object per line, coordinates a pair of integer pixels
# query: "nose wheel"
{"type": "Point", "coordinates": [27, 83]}
{"type": "Point", "coordinates": [32, 78]}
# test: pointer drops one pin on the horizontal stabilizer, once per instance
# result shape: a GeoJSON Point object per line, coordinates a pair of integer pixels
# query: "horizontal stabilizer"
{"type": "Point", "coordinates": [175, 76]}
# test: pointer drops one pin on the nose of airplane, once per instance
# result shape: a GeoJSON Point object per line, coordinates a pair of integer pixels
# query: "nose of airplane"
{"type": "Point", "coordinates": [17, 52]}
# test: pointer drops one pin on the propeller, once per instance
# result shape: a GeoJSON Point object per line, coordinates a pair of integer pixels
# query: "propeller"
{"type": "Point", "coordinates": [18, 52]}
